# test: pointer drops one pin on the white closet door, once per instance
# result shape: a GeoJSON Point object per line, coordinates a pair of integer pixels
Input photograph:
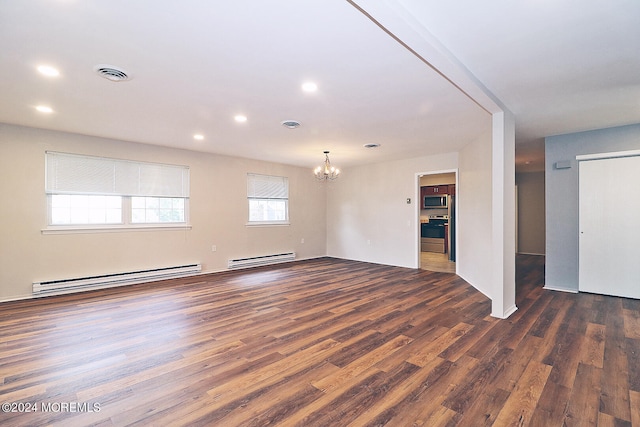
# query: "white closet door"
{"type": "Point", "coordinates": [609, 226]}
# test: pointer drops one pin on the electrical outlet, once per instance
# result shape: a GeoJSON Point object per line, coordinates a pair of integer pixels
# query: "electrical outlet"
{"type": "Point", "coordinates": [213, 248]}
{"type": "Point", "coordinates": [302, 240]}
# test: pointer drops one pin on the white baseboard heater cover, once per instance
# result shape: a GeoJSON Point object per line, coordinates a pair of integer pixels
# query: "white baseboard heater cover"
{"type": "Point", "coordinates": [55, 287]}
{"type": "Point", "coordinates": [261, 260]}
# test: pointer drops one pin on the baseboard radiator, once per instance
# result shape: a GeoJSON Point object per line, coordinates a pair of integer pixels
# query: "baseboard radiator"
{"type": "Point", "coordinates": [261, 260]}
{"type": "Point", "coordinates": [55, 287]}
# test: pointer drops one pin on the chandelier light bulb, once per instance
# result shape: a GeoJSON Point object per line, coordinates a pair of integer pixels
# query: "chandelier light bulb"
{"type": "Point", "coordinates": [326, 171]}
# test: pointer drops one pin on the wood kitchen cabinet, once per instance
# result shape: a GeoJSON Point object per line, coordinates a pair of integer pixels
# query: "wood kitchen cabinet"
{"type": "Point", "coordinates": [434, 190]}
{"type": "Point", "coordinates": [452, 189]}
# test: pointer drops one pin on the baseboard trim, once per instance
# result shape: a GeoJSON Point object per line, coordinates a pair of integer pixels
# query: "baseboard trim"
{"type": "Point", "coordinates": [551, 288]}
{"type": "Point", "coordinates": [508, 312]}
{"type": "Point", "coordinates": [202, 273]}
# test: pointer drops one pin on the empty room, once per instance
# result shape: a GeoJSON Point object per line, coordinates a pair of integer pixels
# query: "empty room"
{"type": "Point", "coordinates": [319, 213]}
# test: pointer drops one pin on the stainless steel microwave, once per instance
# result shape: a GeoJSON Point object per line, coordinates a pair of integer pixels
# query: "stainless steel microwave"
{"type": "Point", "coordinates": [435, 202]}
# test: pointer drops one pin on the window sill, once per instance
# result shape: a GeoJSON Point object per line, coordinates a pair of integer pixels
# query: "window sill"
{"type": "Point", "coordinates": [82, 229]}
{"type": "Point", "coordinates": [266, 223]}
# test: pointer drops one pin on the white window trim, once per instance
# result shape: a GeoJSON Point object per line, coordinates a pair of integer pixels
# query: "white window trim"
{"type": "Point", "coordinates": [267, 223]}
{"type": "Point", "coordinates": [117, 228]}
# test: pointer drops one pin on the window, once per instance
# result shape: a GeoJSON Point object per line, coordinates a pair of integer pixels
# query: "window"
{"type": "Point", "coordinates": [85, 209]}
{"type": "Point", "coordinates": [97, 191]}
{"type": "Point", "coordinates": [268, 198]}
{"type": "Point", "coordinates": [157, 209]}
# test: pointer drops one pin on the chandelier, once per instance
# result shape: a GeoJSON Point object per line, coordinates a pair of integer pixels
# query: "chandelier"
{"type": "Point", "coordinates": [326, 171]}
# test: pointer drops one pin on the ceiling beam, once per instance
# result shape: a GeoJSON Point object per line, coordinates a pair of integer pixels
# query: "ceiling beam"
{"type": "Point", "coordinates": [393, 18]}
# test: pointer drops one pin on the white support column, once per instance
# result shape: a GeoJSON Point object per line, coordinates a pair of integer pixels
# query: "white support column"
{"type": "Point", "coordinates": [503, 226]}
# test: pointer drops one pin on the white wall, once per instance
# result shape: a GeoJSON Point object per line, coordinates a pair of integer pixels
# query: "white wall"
{"type": "Point", "coordinates": [367, 213]}
{"type": "Point", "coordinates": [474, 192]}
{"type": "Point", "coordinates": [362, 216]}
{"type": "Point", "coordinates": [561, 192]}
{"type": "Point", "coordinates": [218, 214]}
{"type": "Point", "coordinates": [368, 218]}
{"type": "Point", "coordinates": [531, 224]}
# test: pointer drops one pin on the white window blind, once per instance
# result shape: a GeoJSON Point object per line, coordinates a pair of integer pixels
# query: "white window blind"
{"type": "Point", "coordinates": [78, 174]}
{"type": "Point", "coordinates": [267, 187]}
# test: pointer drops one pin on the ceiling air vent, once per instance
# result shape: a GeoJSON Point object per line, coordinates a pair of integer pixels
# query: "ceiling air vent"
{"type": "Point", "coordinates": [291, 124]}
{"type": "Point", "coordinates": [112, 73]}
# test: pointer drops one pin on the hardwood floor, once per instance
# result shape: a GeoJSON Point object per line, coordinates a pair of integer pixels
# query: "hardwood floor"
{"type": "Point", "coordinates": [433, 261]}
{"type": "Point", "coordinates": [321, 343]}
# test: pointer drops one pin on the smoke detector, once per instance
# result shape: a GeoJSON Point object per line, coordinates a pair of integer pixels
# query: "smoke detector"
{"type": "Point", "coordinates": [112, 73]}
{"type": "Point", "coordinates": [291, 124]}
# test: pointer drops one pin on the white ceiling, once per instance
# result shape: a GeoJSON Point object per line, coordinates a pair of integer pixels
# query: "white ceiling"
{"type": "Point", "coordinates": [559, 66]}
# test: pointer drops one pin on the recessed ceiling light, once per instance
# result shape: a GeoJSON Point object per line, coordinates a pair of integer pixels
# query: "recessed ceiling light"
{"type": "Point", "coordinates": [48, 71]}
{"type": "Point", "coordinates": [309, 87]}
{"type": "Point", "coordinates": [371, 145]}
{"type": "Point", "coordinates": [198, 137]}
{"type": "Point", "coordinates": [291, 124]}
{"type": "Point", "coordinates": [44, 109]}
{"type": "Point", "coordinates": [240, 118]}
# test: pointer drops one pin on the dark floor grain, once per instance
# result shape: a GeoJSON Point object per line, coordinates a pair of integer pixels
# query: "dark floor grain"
{"type": "Point", "coordinates": [323, 342]}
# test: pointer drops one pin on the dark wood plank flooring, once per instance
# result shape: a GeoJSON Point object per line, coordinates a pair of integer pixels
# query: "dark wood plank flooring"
{"type": "Point", "coordinates": [321, 343]}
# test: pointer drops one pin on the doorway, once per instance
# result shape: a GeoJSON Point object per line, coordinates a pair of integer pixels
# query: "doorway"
{"type": "Point", "coordinates": [609, 201]}
{"type": "Point", "coordinates": [437, 230]}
